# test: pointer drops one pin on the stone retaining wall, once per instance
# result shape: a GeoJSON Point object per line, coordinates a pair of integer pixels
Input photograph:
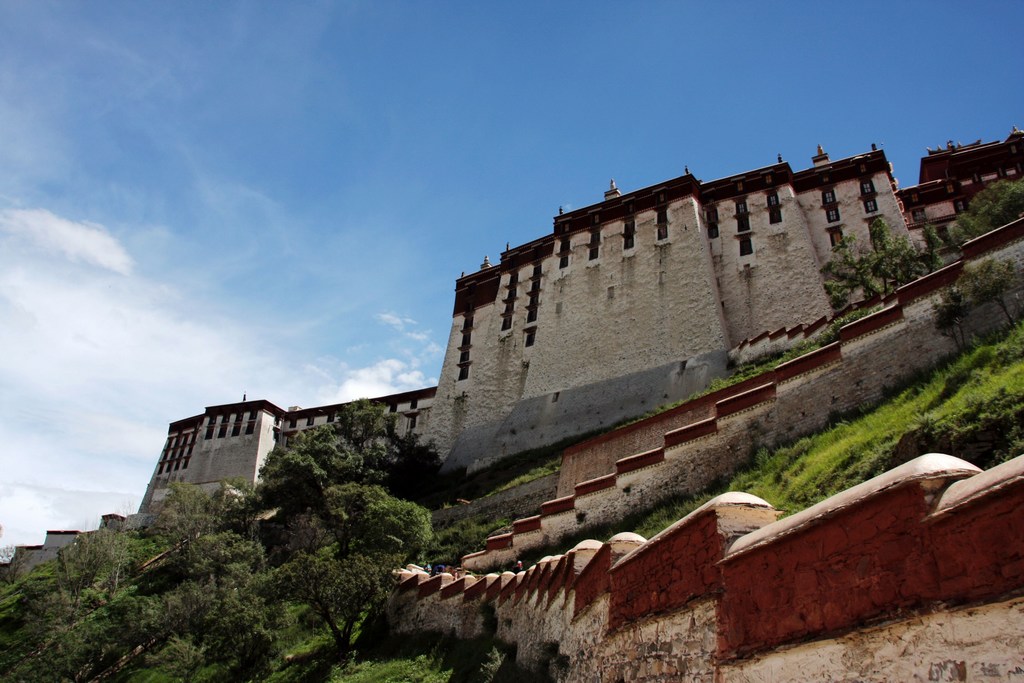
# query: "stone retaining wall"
{"type": "Point", "coordinates": [914, 575]}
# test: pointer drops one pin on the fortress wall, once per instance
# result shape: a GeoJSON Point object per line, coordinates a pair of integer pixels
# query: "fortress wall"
{"type": "Point", "coordinates": [551, 418]}
{"type": "Point", "coordinates": [779, 283]}
{"type": "Point", "coordinates": [606, 340]}
{"type": "Point", "coordinates": [623, 311]}
{"type": "Point", "coordinates": [798, 397]}
{"type": "Point", "coordinates": [914, 574]}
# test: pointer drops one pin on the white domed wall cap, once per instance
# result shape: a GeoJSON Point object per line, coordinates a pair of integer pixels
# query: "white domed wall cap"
{"type": "Point", "coordinates": [735, 498]}
{"type": "Point", "coordinates": [492, 576]}
{"type": "Point", "coordinates": [588, 545]}
{"type": "Point", "coordinates": [414, 567]}
{"type": "Point", "coordinates": [510, 575]}
{"type": "Point", "coordinates": [546, 558]}
{"type": "Point", "coordinates": [404, 575]}
{"type": "Point", "coordinates": [625, 542]}
{"type": "Point", "coordinates": [984, 483]}
{"type": "Point", "coordinates": [725, 500]}
{"type": "Point", "coordinates": [931, 471]}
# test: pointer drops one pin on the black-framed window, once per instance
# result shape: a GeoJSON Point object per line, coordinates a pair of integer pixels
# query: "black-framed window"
{"type": "Point", "coordinates": [531, 315]}
{"type": "Point", "coordinates": [506, 323]}
{"type": "Point", "coordinates": [832, 214]}
{"type": "Point", "coordinates": [595, 244]}
{"type": "Point", "coordinates": [828, 196]}
{"type": "Point", "coordinates": [743, 223]}
{"type": "Point", "coordinates": [835, 236]}
{"type": "Point", "coordinates": [870, 206]}
{"type": "Point", "coordinates": [563, 262]}
{"type": "Point", "coordinates": [774, 214]}
{"type": "Point", "coordinates": [741, 207]}
{"type": "Point", "coordinates": [531, 337]}
{"type": "Point", "coordinates": [712, 230]}
{"type": "Point", "coordinates": [773, 199]}
{"type": "Point", "coordinates": [867, 186]}
{"type": "Point", "coordinates": [629, 235]}
{"type": "Point", "coordinates": [746, 246]}
{"type": "Point", "coordinates": [464, 355]}
{"type": "Point", "coordinates": [463, 372]}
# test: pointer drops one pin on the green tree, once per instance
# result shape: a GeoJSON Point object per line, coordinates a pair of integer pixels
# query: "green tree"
{"type": "Point", "coordinates": [362, 445]}
{"type": "Point", "coordinates": [995, 206]}
{"type": "Point", "coordinates": [890, 263]}
{"type": "Point", "coordinates": [989, 281]}
{"type": "Point", "coordinates": [950, 312]}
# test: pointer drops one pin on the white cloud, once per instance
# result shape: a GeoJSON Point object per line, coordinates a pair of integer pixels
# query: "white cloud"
{"type": "Point", "coordinates": [385, 377]}
{"type": "Point", "coordinates": [79, 242]}
{"type": "Point", "coordinates": [396, 321]}
{"type": "Point", "coordinates": [96, 361]}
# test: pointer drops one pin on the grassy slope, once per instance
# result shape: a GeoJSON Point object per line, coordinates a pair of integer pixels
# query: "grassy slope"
{"type": "Point", "coordinates": [971, 407]}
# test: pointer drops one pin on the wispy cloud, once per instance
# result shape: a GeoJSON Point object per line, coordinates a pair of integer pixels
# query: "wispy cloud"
{"type": "Point", "coordinates": [396, 321]}
{"type": "Point", "coordinates": [410, 352]}
{"type": "Point", "coordinates": [79, 242]}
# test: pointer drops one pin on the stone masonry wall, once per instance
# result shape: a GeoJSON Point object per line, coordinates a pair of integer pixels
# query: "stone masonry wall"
{"type": "Point", "coordinates": [794, 399]}
{"type": "Point", "coordinates": [913, 575]}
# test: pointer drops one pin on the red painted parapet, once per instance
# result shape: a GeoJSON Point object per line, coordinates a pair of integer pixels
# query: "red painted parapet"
{"type": "Point", "coordinates": [479, 588]}
{"type": "Point", "coordinates": [499, 542]}
{"type": "Point", "coordinates": [593, 580]}
{"type": "Point", "coordinates": [871, 323]}
{"type": "Point", "coordinates": [815, 326]}
{"type": "Point", "coordinates": [932, 535]}
{"type": "Point", "coordinates": [694, 431]}
{"type": "Point", "coordinates": [594, 485]}
{"type": "Point", "coordinates": [857, 556]}
{"type": "Point", "coordinates": [521, 526]}
{"type": "Point", "coordinates": [977, 535]}
{"type": "Point", "coordinates": [923, 286]}
{"type": "Point", "coordinates": [747, 399]}
{"type": "Point", "coordinates": [681, 562]}
{"type": "Point", "coordinates": [809, 361]}
{"type": "Point", "coordinates": [457, 586]}
{"type": "Point", "coordinates": [993, 240]}
{"type": "Point", "coordinates": [434, 584]}
{"type": "Point", "coordinates": [557, 505]}
{"type": "Point", "coordinates": [636, 462]}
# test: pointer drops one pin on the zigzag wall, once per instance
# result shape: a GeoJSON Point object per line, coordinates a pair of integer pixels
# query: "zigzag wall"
{"type": "Point", "coordinates": [914, 575]}
{"type": "Point", "coordinates": [686, 449]}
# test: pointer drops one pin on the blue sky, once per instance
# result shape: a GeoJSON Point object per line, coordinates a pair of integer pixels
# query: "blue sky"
{"type": "Point", "coordinates": [203, 199]}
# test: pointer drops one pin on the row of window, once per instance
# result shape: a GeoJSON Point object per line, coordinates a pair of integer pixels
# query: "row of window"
{"type": "Point", "coordinates": [173, 466]}
{"type": "Point", "coordinates": [628, 239]}
{"type": "Point", "coordinates": [236, 425]}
